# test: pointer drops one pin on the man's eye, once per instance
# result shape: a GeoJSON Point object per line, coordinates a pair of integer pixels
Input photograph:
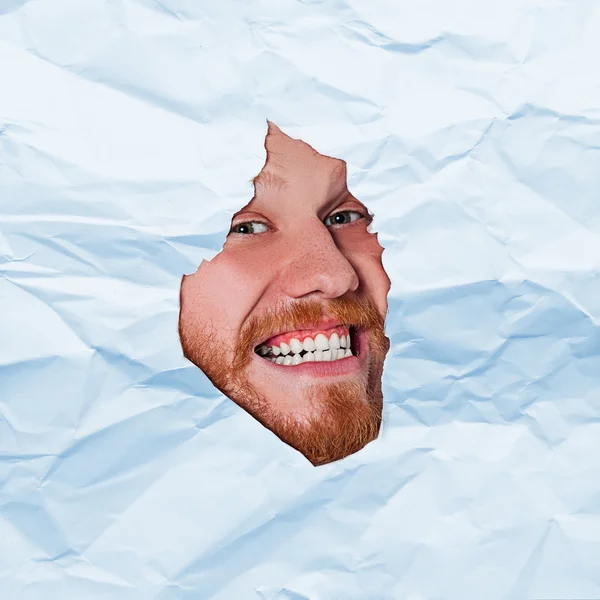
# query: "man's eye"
{"type": "Point", "coordinates": [343, 217]}
{"type": "Point", "coordinates": [250, 227]}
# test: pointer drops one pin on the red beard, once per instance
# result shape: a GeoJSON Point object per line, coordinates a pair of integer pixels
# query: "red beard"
{"type": "Point", "coordinates": [345, 416]}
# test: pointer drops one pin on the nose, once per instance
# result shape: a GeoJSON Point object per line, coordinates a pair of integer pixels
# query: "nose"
{"type": "Point", "coordinates": [315, 265]}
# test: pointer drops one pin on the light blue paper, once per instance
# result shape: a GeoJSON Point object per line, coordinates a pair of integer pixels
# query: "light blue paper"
{"type": "Point", "coordinates": [129, 134]}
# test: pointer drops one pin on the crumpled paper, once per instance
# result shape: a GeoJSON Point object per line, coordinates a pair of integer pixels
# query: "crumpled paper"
{"type": "Point", "coordinates": [129, 134]}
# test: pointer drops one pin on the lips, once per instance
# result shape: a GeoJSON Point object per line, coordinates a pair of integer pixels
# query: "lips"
{"type": "Point", "coordinates": [320, 345]}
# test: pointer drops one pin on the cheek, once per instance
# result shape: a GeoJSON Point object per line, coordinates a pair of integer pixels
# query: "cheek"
{"type": "Point", "coordinates": [374, 281]}
{"type": "Point", "coordinates": [217, 298]}
{"type": "Point", "coordinates": [363, 251]}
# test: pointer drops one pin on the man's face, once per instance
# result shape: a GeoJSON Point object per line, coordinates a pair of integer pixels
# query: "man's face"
{"type": "Point", "coordinates": [287, 320]}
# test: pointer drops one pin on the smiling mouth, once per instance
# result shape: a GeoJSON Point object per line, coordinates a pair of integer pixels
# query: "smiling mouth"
{"type": "Point", "coordinates": [298, 347]}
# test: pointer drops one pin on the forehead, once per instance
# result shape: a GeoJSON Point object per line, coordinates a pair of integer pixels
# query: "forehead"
{"type": "Point", "coordinates": [294, 172]}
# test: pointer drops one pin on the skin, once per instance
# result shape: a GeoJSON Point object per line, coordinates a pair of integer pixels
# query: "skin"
{"type": "Point", "coordinates": [289, 264]}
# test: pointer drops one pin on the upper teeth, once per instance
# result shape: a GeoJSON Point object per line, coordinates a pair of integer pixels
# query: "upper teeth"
{"type": "Point", "coordinates": [321, 348]}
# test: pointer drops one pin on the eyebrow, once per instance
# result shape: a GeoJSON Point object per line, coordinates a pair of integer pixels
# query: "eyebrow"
{"type": "Point", "coordinates": [269, 180]}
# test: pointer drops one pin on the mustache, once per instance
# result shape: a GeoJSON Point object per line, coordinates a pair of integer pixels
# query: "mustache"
{"type": "Point", "coordinates": [304, 314]}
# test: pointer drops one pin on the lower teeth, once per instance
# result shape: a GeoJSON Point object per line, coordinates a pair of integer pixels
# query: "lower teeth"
{"type": "Point", "coordinates": [316, 356]}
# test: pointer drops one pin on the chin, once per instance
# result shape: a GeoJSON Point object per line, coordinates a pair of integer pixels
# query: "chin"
{"type": "Point", "coordinates": [335, 420]}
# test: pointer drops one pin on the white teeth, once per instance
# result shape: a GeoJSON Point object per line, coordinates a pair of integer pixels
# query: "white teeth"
{"type": "Point", "coordinates": [321, 342]}
{"type": "Point", "coordinates": [316, 356]}
{"type": "Point", "coordinates": [296, 346]}
{"type": "Point", "coordinates": [309, 345]}
{"type": "Point", "coordinates": [334, 341]}
{"type": "Point", "coordinates": [319, 349]}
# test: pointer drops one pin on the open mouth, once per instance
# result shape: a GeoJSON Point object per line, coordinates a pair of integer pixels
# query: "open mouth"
{"type": "Point", "coordinates": [297, 347]}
